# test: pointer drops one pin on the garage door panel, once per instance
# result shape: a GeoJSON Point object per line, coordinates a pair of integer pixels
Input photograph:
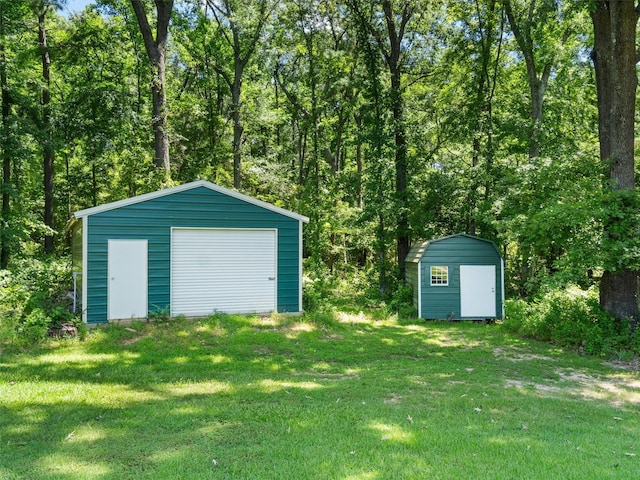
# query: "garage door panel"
{"type": "Point", "coordinates": [232, 271]}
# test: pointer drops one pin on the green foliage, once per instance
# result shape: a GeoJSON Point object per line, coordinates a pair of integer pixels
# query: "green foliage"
{"type": "Point", "coordinates": [401, 302]}
{"type": "Point", "coordinates": [352, 289]}
{"type": "Point", "coordinates": [319, 138]}
{"type": "Point", "coordinates": [571, 318]}
{"type": "Point", "coordinates": [159, 314]}
{"type": "Point", "coordinates": [620, 247]}
{"type": "Point", "coordinates": [33, 299]}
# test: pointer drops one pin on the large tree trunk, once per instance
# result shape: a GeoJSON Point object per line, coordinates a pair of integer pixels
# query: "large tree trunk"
{"type": "Point", "coordinates": [156, 51]}
{"type": "Point", "coordinates": [159, 123]}
{"type": "Point", "coordinates": [47, 142]}
{"type": "Point", "coordinates": [614, 58]}
{"type": "Point", "coordinates": [392, 57]}
{"type": "Point", "coordinates": [4, 150]}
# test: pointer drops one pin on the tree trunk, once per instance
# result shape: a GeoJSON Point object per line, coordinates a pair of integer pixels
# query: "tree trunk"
{"type": "Point", "coordinates": [4, 150]}
{"type": "Point", "coordinates": [156, 51]}
{"type": "Point", "coordinates": [243, 41]}
{"type": "Point", "coordinates": [238, 128]}
{"type": "Point", "coordinates": [159, 123]}
{"type": "Point", "coordinates": [392, 57]}
{"type": "Point", "coordinates": [47, 142]}
{"type": "Point", "coordinates": [490, 34]}
{"type": "Point", "coordinates": [614, 58]}
{"type": "Point", "coordinates": [359, 196]}
{"type": "Point", "coordinates": [537, 80]}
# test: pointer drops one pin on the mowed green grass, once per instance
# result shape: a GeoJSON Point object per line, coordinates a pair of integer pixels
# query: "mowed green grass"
{"type": "Point", "coordinates": [340, 396]}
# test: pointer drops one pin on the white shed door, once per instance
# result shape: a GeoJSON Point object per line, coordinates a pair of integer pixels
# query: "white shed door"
{"type": "Point", "coordinates": [216, 270]}
{"type": "Point", "coordinates": [127, 279]}
{"type": "Point", "coordinates": [478, 291]}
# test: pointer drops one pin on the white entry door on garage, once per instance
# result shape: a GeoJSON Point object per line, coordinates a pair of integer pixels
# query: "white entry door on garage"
{"type": "Point", "coordinates": [478, 291]}
{"type": "Point", "coordinates": [127, 279]}
{"type": "Point", "coordinates": [223, 270]}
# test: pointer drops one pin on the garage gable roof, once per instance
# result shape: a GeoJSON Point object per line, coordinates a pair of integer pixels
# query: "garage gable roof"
{"type": "Point", "coordinates": [188, 186]}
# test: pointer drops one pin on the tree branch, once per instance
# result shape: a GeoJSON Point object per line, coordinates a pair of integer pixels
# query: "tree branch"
{"type": "Point", "coordinates": [145, 29]}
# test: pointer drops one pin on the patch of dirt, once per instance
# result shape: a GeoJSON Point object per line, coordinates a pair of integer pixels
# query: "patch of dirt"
{"type": "Point", "coordinates": [618, 390]}
{"type": "Point", "coordinates": [263, 351]}
{"type": "Point", "coordinates": [131, 341]}
{"type": "Point", "coordinates": [514, 356]}
{"type": "Point", "coordinates": [327, 376]}
{"type": "Point", "coordinates": [395, 399]}
{"type": "Point", "coordinates": [545, 389]}
{"type": "Point", "coordinates": [332, 336]}
{"type": "Point", "coordinates": [633, 365]}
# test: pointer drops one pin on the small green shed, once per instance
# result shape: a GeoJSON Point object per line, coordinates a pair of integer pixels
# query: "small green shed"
{"type": "Point", "coordinates": [191, 250]}
{"type": "Point", "coordinates": [460, 277]}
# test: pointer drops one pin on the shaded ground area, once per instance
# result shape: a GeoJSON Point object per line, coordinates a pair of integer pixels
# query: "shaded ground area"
{"type": "Point", "coordinates": [335, 396]}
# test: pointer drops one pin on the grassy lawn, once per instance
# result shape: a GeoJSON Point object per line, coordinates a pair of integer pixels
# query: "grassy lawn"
{"type": "Point", "coordinates": [339, 396]}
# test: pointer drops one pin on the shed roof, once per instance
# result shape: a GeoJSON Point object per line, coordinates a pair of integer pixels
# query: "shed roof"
{"type": "Point", "coordinates": [181, 188]}
{"type": "Point", "coordinates": [418, 249]}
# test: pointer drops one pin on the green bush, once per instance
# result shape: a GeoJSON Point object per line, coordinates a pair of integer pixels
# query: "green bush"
{"type": "Point", "coordinates": [402, 302]}
{"type": "Point", "coordinates": [572, 318]}
{"type": "Point", "coordinates": [33, 299]}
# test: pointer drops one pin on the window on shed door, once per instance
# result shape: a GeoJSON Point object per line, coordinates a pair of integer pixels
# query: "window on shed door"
{"type": "Point", "coordinates": [439, 276]}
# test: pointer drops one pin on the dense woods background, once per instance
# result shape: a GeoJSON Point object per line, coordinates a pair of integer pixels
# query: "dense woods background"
{"type": "Point", "coordinates": [386, 122]}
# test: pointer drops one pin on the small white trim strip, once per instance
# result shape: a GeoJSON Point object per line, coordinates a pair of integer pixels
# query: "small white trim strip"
{"type": "Point", "coordinates": [420, 289]}
{"type": "Point", "coordinates": [300, 280]}
{"type": "Point", "coordinates": [85, 255]}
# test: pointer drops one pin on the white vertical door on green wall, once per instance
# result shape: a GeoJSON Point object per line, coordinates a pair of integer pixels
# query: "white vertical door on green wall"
{"type": "Point", "coordinates": [478, 291]}
{"type": "Point", "coordinates": [223, 270]}
{"type": "Point", "coordinates": [127, 279]}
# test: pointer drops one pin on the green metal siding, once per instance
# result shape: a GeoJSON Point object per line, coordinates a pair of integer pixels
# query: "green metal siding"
{"type": "Point", "coordinates": [440, 301]}
{"type": "Point", "coordinates": [443, 302]}
{"type": "Point", "coordinates": [411, 276]}
{"type": "Point", "coordinates": [195, 208]}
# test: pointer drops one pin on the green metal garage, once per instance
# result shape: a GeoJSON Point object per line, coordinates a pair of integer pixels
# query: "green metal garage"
{"type": "Point", "coordinates": [192, 250]}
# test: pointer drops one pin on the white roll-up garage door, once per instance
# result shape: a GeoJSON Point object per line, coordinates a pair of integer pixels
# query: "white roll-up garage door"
{"type": "Point", "coordinates": [220, 270]}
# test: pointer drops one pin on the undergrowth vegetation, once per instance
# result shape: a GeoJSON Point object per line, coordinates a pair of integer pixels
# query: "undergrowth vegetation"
{"type": "Point", "coordinates": [35, 296]}
{"type": "Point", "coordinates": [571, 317]}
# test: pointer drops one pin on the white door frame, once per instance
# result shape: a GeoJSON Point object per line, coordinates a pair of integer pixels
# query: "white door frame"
{"type": "Point", "coordinates": [127, 279]}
